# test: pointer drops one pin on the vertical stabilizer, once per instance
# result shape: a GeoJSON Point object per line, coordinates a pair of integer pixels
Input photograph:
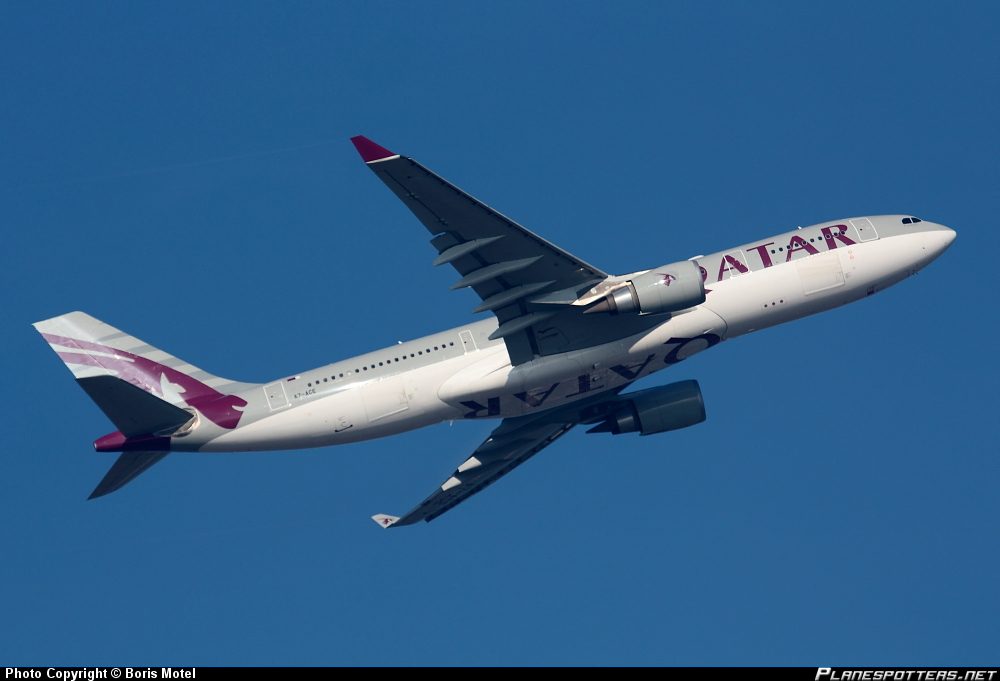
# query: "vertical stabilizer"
{"type": "Point", "coordinates": [148, 394]}
{"type": "Point", "coordinates": [92, 349]}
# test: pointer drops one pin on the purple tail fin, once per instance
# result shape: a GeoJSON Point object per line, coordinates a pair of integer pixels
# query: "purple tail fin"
{"type": "Point", "coordinates": [90, 348]}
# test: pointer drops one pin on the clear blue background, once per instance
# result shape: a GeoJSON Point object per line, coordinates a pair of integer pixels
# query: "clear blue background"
{"type": "Point", "coordinates": [183, 172]}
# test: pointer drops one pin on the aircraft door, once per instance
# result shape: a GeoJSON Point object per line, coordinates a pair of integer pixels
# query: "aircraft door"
{"type": "Point", "coordinates": [866, 230]}
{"type": "Point", "coordinates": [384, 398]}
{"type": "Point", "coordinates": [821, 273]}
{"type": "Point", "coordinates": [276, 397]}
{"type": "Point", "coordinates": [733, 264]}
{"type": "Point", "coordinates": [468, 342]}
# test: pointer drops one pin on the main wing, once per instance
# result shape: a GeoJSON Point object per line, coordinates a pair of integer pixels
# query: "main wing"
{"type": "Point", "coordinates": [512, 443]}
{"type": "Point", "coordinates": [530, 284]}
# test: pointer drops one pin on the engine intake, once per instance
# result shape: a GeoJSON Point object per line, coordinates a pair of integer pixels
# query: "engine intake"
{"type": "Point", "coordinates": [670, 288]}
{"type": "Point", "coordinates": [657, 410]}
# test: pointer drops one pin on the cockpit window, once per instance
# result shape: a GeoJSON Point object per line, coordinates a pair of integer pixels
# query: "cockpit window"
{"type": "Point", "coordinates": [907, 221]}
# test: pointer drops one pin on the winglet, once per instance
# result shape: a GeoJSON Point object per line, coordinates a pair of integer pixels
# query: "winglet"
{"type": "Point", "coordinates": [369, 150]}
{"type": "Point", "coordinates": [384, 520]}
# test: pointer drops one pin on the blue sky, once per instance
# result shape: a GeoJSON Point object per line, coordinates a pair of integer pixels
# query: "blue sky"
{"type": "Point", "coordinates": [183, 172]}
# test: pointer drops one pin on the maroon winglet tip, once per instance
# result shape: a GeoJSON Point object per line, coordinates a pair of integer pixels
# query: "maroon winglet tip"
{"type": "Point", "coordinates": [369, 150]}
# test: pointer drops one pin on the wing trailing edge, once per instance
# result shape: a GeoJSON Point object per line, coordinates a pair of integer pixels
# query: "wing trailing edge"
{"type": "Point", "coordinates": [510, 444]}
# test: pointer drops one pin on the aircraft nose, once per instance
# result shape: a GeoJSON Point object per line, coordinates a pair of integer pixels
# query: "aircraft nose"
{"type": "Point", "coordinates": [938, 240]}
{"type": "Point", "coordinates": [947, 236]}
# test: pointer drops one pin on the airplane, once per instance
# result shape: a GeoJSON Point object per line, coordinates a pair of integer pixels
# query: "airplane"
{"type": "Point", "coordinates": [564, 342]}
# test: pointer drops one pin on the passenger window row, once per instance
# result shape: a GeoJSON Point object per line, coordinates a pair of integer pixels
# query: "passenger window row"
{"type": "Point", "coordinates": [812, 240]}
{"type": "Point", "coordinates": [337, 377]}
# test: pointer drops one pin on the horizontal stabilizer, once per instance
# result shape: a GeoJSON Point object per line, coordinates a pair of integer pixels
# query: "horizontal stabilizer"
{"type": "Point", "coordinates": [133, 410]}
{"type": "Point", "coordinates": [128, 466]}
{"type": "Point", "coordinates": [385, 520]}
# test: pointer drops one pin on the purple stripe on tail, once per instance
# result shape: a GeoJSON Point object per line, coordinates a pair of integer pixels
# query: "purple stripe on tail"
{"type": "Point", "coordinates": [223, 410]}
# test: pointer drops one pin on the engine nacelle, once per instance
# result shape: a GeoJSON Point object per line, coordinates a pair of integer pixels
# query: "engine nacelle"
{"type": "Point", "coordinates": [669, 288]}
{"type": "Point", "coordinates": [657, 410]}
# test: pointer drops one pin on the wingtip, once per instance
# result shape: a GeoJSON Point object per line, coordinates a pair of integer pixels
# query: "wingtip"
{"type": "Point", "coordinates": [370, 151]}
{"type": "Point", "coordinates": [384, 520]}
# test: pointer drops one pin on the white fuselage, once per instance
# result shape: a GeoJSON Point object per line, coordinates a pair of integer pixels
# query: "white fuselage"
{"type": "Point", "coordinates": [459, 374]}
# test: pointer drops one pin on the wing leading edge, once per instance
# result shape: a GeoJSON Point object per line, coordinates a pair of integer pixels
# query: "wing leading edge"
{"type": "Point", "coordinates": [522, 278]}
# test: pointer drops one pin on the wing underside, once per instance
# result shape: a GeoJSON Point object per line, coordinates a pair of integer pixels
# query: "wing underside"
{"type": "Point", "coordinates": [510, 444]}
{"type": "Point", "coordinates": [493, 459]}
{"type": "Point", "coordinates": [530, 284]}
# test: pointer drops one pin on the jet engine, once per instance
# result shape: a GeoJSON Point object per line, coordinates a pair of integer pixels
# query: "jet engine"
{"type": "Point", "coordinates": [656, 410]}
{"type": "Point", "coordinates": [673, 287]}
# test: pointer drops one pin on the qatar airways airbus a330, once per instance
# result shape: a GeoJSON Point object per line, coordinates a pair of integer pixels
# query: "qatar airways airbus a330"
{"type": "Point", "coordinates": [563, 344]}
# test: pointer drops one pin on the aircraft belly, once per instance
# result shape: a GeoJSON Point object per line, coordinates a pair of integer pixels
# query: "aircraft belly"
{"type": "Point", "coordinates": [819, 282]}
{"type": "Point", "coordinates": [757, 300]}
{"type": "Point", "coordinates": [876, 265]}
{"type": "Point", "coordinates": [340, 418]}
{"type": "Point", "coordinates": [552, 381]}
